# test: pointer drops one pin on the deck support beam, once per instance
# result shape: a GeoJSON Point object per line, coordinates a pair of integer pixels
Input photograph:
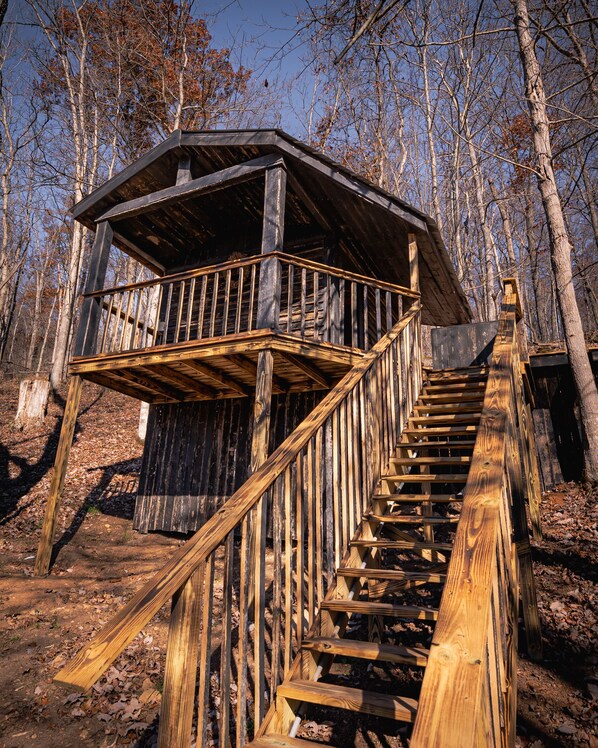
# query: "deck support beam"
{"type": "Point", "coordinates": [67, 431]}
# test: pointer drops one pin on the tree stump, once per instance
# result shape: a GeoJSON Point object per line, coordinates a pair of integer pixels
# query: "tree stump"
{"type": "Point", "coordinates": [33, 402]}
{"type": "Point", "coordinates": [143, 416]}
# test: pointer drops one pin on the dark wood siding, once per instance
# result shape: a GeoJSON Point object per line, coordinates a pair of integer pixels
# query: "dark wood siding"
{"type": "Point", "coordinates": [197, 454]}
{"type": "Point", "coordinates": [463, 345]}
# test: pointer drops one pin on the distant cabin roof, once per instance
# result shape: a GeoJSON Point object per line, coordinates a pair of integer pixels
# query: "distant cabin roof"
{"type": "Point", "coordinates": [369, 223]}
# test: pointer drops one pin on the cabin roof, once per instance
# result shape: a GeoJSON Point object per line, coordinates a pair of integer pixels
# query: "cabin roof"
{"type": "Point", "coordinates": [323, 198]}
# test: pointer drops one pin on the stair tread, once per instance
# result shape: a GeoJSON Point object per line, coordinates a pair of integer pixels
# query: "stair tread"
{"type": "Point", "coordinates": [388, 574]}
{"type": "Point", "coordinates": [448, 418]}
{"type": "Point", "coordinates": [448, 460]}
{"type": "Point", "coordinates": [363, 607]}
{"type": "Point", "coordinates": [448, 408]}
{"type": "Point", "coordinates": [446, 444]}
{"type": "Point", "coordinates": [442, 431]}
{"type": "Point", "coordinates": [417, 545]}
{"type": "Point", "coordinates": [427, 478]}
{"type": "Point", "coordinates": [368, 650]}
{"type": "Point", "coordinates": [352, 699]}
{"type": "Point", "coordinates": [448, 398]}
{"type": "Point", "coordinates": [280, 741]}
{"type": "Point", "coordinates": [410, 519]}
{"type": "Point", "coordinates": [409, 498]}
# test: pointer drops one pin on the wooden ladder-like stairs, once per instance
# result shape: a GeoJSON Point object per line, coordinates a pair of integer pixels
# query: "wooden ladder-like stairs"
{"type": "Point", "coordinates": [368, 647]}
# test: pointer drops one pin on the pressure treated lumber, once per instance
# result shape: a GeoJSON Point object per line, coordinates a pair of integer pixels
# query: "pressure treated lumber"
{"type": "Point", "coordinates": [180, 670]}
{"type": "Point", "coordinates": [417, 612]}
{"type": "Point", "coordinates": [281, 741]}
{"type": "Point", "coordinates": [415, 656]}
{"type": "Point", "coordinates": [67, 431]}
{"type": "Point", "coordinates": [89, 664]}
{"type": "Point", "coordinates": [417, 498]}
{"type": "Point", "coordinates": [352, 699]}
{"type": "Point", "coordinates": [391, 574]}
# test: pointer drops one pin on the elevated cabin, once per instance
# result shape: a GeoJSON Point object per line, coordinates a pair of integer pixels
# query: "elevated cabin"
{"type": "Point", "coordinates": [277, 269]}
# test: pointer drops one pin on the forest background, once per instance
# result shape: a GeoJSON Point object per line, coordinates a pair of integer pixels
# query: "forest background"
{"type": "Point", "coordinates": [482, 114]}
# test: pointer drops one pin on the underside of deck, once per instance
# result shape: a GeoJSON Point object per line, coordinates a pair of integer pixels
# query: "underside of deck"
{"type": "Point", "coordinates": [217, 368]}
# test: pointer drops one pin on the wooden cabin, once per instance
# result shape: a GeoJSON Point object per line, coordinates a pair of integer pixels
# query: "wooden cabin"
{"type": "Point", "coordinates": [276, 269]}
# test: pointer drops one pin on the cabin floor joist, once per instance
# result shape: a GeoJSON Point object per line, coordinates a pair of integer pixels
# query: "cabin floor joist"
{"type": "Point", "coordinates": [218, 368]}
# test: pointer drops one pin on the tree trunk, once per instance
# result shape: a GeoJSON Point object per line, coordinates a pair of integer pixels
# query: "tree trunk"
{"type": "Point", "coordinates": [33, 402]}
{"type": "Point", "coordinates": [560, 248]}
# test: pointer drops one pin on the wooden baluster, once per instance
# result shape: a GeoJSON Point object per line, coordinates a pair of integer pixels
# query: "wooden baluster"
{"type": "Point", "coordinates": [225, 311]}
{"type": "Point", "coordinates": [345, 503]}
{"type": "Point", "coordinates": [243, 651]}
{"type": "Point", "coordinates": [138, 292]}
{"type": "Point", "coordinates": [354, 317]}
{"type": "Point", "coordinates": [117, 320]}
{"type": "Point", "coordinates": [202, 307]}
{"type": "Point", "coordinates": [316, 304]}
{"type": "Point", "coordinates": [388, 310]}
{"type": "Point", "coordinates": [164, 340]}
{"type": "Point", "coordinates": [300, 564]}
{"type": "Point", "coordinates": [205, 654]}
{"type": "Point", "coordinates": [180, 670]}
{"type": "Point", "coordinates": [378, 302]}
{"type": "Point", "coordinates": [190, 309]}
{"type": "Point", "coordinates": [366, 320]}
{"type": "Point", "coordinates": [252, 298]}
{"type": "Point", "coordinates": [318, 467]}
{"type": "Point", "coordinates": [327, 316]}
{"type": "Point", "coordinates": [277, 523]}
{"type": "Point", "coordinates": [336, 495]}
{"type": "Point", "coordinates": [107, 323]}
{"type": "Point", "coordinates": [157, 336]}
{"type": "Point", "coordinates": [240, 282]}
{"type": "Point", "coordinates": [179, 312]}
{"type": "Point", "coordinates": [259, 600]}
{"type": "Point", "coordinates": [310, 529]}
{"type": "Point", "coordinates": [226, 648]}
{"type": "Point", "coordinates": [303, 301]}
{"type": "Point", "coordinates": [290, 292]}
{"type": "Point", "coordinates": [126, 321]}
{"type": "Point", "coordinates": [214, 304]}
{"type": "Point", "coordinates": [288, 572]}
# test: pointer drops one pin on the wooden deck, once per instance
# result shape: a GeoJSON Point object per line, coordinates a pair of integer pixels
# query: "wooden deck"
{"type": "Point", "coordinates": [218, 368]}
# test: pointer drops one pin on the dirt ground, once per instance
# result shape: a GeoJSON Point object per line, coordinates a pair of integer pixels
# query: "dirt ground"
{"type": "Point", "coordinates": [101, 561]}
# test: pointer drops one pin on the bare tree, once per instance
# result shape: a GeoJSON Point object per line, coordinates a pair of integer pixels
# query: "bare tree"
{"type": "Point", "coordinates": [560, 245]}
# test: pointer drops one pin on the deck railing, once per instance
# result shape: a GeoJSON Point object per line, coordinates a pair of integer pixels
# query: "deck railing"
{"type": "Point", "coordinates": [311, 301]}
{"type": "Point", "coordinates": [241, 607]}
{"type": "Point", "coordinates": [468, 696]}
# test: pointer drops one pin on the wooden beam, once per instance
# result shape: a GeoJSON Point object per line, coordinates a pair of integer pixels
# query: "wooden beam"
{"type": "Point", "coordinates": [218, 376]}
{"type": "Point", "coordinates": [92, 307]}
{"type": "Point", "coordinates": [202, 186]}
{"type": "Point", "coordinates": [67, 431]}
{"type": "Point", "coordinates": [274, 207]}
{"type": "Point", "coordinates": [310, 204]}
{"type": "Point", "coordinates": [245, 364]}
{"type": "Point", "coordinates": [150, 383]}
{"type": "Point", "coordinates": [112, 382]}
{"type": "Point", "coordinates": [183, 380]}
{"type": "Point", "coordinates": [310, 370]}
{"type": "Point", "coordinates": [413, 263]}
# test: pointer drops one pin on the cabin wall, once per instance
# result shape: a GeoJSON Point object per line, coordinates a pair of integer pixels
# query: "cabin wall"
{"type": "Point", "coordinates": [196, 456]}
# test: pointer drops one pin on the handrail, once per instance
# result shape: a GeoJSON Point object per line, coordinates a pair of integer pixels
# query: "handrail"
{"type": "Point", "coordinates": [256, 259]}
{"type": "Point", "coordinates": [312, 491]}
{"type": "Point", "coordinates": [467, 697]}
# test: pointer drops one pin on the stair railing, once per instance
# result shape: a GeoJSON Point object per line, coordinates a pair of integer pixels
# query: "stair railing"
{"type": "Point", "coordinates": [245, 589]}
{"type": "Point", "coordinates": [468, 696]}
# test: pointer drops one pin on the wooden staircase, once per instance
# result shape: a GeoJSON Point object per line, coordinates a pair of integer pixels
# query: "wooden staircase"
{"type": "Point", "coordinates": [378, 616]}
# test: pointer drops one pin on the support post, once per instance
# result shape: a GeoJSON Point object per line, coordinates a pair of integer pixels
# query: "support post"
{"type": "Point", "coordinates": [176, 712]}
{"type": "Point", "coordinates": [67, 431]}
{"type": "Point", "coordinates": [92, 307]}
